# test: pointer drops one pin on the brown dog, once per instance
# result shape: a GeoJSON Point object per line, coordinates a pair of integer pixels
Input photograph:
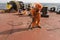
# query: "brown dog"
{"type": "Point", "coordinates": [35, 12]}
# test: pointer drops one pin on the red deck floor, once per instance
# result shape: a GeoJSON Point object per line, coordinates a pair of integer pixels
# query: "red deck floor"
{"type": "Point", "coordinates": [14, 27]}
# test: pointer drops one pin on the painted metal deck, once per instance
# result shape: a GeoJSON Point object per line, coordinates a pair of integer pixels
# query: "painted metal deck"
{"type": "Point", "coordinates": [14, 27]}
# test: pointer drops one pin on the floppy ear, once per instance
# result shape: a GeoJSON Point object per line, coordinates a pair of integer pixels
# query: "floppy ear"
{"type": "Point", "coordinates": [41, 6]}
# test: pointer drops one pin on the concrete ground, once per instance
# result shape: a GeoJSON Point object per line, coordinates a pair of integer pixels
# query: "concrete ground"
{"type": "Point", "coordinates": [15, 27]}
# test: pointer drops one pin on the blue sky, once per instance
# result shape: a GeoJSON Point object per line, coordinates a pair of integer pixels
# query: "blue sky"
{"type": "Point", "coordinates": [31, 1]}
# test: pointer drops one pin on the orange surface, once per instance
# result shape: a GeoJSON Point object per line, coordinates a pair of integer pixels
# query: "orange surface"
{"type": "Point", "coordinates": [14, 27]}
